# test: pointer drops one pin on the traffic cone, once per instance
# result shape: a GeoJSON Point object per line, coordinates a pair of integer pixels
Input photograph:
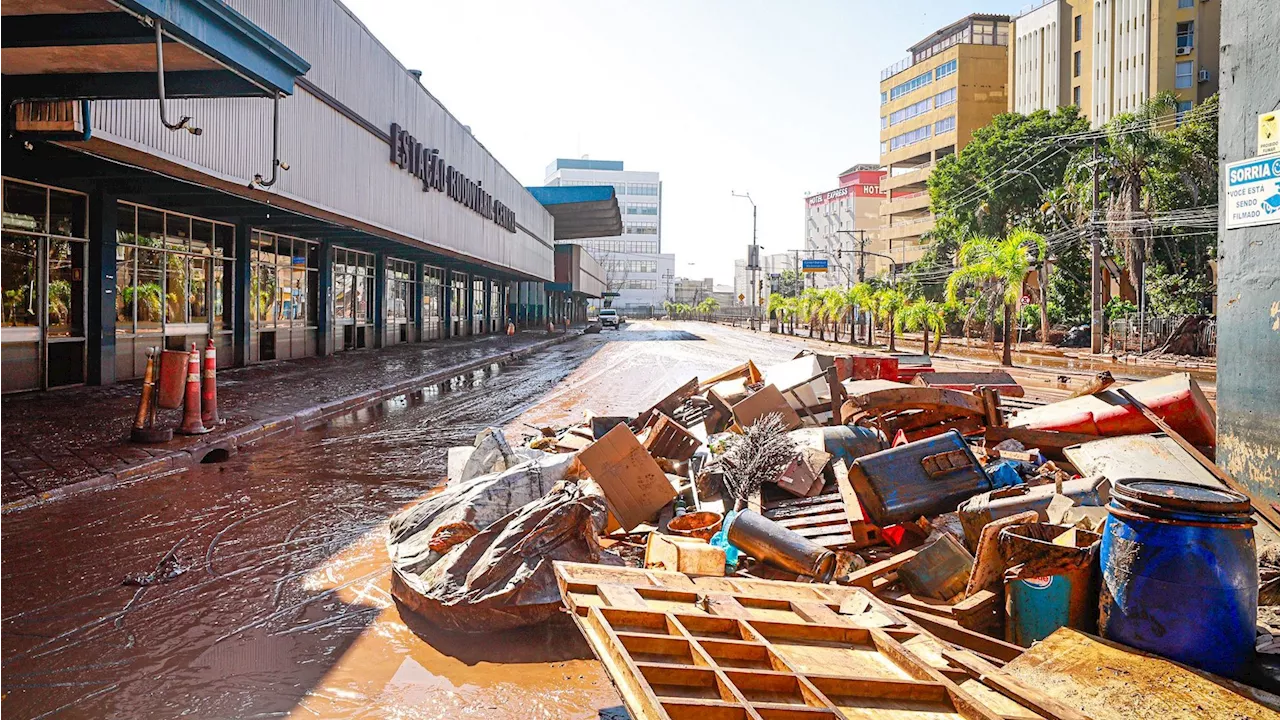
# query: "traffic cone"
{"type": "Point", "coordinates": [209, 387]}
{"type": "Point", "coordinates": [191, 424]}
{"type": "Point", "coordinates": [511, 328]}
{"type": "Point", "coordinates": [144, 429]}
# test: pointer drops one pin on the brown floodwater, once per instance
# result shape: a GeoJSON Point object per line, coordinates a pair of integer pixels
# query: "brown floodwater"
{"type": "Point", "coordinates": [283, 609]}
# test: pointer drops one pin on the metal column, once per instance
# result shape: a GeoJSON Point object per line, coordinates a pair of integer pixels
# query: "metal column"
{"type": "Point", "coordinates": [242, 268]}
{"type": "Point", "coordinates": [101, 287]}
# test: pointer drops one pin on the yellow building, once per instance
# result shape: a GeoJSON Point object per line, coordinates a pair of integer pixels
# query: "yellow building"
{"type": "Point", "coordinates": [930, 103]}
{"type": "Point", "coordinates": [1109, 56]}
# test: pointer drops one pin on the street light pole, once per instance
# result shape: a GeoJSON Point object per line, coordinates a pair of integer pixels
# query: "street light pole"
{"type": "Point", "coordinates": [753, 261]}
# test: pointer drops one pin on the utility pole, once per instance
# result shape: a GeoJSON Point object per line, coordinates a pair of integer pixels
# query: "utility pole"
{"type": "Point", "coordinates": [753, 262]}
{"type": "Point", "coordinates": [1095, 264]}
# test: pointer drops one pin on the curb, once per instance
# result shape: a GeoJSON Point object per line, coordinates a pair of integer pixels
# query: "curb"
{"type": "Point", "coordinates": [259, 433]}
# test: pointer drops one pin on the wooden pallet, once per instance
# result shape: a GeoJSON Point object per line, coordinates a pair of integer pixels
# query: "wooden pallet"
{"type": "Point", "coordinates": [832, 519]}
{"type": "Point", "coordinates": [710, 648]}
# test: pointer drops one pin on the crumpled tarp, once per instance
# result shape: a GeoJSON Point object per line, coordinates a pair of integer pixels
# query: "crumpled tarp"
{"type": "Point", "coordinates": [499, 576]}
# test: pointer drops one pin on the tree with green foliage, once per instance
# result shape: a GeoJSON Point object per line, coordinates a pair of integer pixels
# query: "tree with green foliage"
{"type": "Point", "coordinates": [924, 315]}
{"type": "Point", "coordinates": [890, 302]}
{"type": "Point", "coordinates": [992, 272]}
{"type": "Point", "coordinates": [860, 297]}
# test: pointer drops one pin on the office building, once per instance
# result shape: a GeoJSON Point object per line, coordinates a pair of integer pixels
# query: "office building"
{"type": "Point", "coordinates": [634, 265]}
{"type": "Point", "coordinates": [1109, 57]}
{"type": "Point", "coordinates": [930, 103]}
{"type": "Point", "coordinates": [840, 222]}
{"type": "Point", "coordinates": [771, 269]}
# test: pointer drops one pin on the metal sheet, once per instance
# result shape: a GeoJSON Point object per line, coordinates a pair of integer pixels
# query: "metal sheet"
{"type": "Point", "coordinates": [1155, 457]}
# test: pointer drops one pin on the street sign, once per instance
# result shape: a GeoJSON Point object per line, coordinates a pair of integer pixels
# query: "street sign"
{"type": "Point", "coordinates": [775, 276]}
{"type": "Point", "coordinates": [1268, 133]}
{"type": "Point", "coordinates": [810, 266]}
{"type": "Point", "coordinates": [611, 294]}
{"type": "Point", "coordinates": [1253, 192]}
{"type": "Point", "coordinates": [741, 297]}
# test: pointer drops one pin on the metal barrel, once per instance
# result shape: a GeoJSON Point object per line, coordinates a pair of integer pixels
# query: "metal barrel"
{"type": "Point", "coordinates": [1049, 585]}
{"type": "Point", "coordinates": [768, 541]}
{"type": "Point", "coordinates": [1180, 574]}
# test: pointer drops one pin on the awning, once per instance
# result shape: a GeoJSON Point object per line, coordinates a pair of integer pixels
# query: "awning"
{"type": "Point", "coordinates": [584, 211]}
{"type": "Point", "coordinates": [77, 49]}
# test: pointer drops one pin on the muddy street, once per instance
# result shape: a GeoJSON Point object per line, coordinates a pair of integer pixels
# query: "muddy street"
{"type": "Point", "coordinates": [281, 605]}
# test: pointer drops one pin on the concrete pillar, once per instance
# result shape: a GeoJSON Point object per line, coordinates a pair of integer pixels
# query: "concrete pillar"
{"type": "Point", "coordinates": [324, 298]}
{"type": "Point", "coordinates": [419, 282]}
{"type": "Point", "coordinates": [379, 299]}
{"type": "Point", "coordinates": [446, 311]}
{"type": "Point", "coordinates": [242, 272]}
{"type": "Point", "coordinates": [1248, 320]}
{"type": "Point", "coordinates": [100, 333]}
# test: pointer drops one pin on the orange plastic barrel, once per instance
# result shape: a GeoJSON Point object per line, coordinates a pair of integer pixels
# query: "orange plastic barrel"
{"type": "Point", "coordinates": [173, 378]}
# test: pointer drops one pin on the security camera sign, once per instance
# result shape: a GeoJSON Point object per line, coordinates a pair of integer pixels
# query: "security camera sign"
{"type": "Point", "coordinates": [1253, 192]}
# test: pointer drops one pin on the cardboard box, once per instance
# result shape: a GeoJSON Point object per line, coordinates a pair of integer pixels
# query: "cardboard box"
{"type": "Point", "coordinates": [768, 400]}
{"type": "Point", "coordinates": [691, 556]}
{"type": "Point", "coordinates": [635, 488]}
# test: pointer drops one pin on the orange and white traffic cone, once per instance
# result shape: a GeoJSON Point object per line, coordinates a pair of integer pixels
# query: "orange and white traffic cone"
{"type": "Point", "coordinates": [191, 424]}
{"type": "Point", "coordinates": [209, 387]}
{"type": "Point", "coordinates": [511, 328]}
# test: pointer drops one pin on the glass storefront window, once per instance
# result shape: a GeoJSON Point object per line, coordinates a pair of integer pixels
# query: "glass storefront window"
{"type": "Point", "coordinates": [164, 275]}
{"type": "Point", "coordinates": [66, 287]}
{"type": "Point", "coordinates": [25, 207]}
{"type": "Point", "coordinates": [20, 277]}
{"type": "Point", "coordinates": [402, 281]}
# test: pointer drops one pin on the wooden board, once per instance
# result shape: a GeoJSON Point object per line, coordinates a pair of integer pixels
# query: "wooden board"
{"type": "Point", "coordinates": [1107, 681]}
{"type": "Point", "coordinates": [635, 488]}
{"type": "Point", "coordinates": [768, 400]}
{"type": "Point", "coordinates": [707, 648]}
{"type": "Point", "coordinates": [832, 519]}
{"type": "Point", "coordinates": [669, 439]}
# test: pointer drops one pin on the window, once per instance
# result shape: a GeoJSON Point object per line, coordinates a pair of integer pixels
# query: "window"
{"type": "Point", "coordinates": [640, 209]}
{"type": "Point", "coordinates": [1186, 3]}
{"type": "Point", "coordinates": [1078, 27]}
{"type": "Point", "coordinates": [884, 98]}
{"type": "Point", "coordinates": [283, 283]}
{"type": "Point", "coordinates": [171, 270]}
{"type": "Point", "coordinates": [640, 228]}
{"type": "Point", "coordinates": [909, 138]}
{"type": "Point", "coordinates": [1075, 64]}
{"type": "Point", "coordinates": [650, 189]}
{"type": "Point", "coordinates": [352, 287]}
{"type": "Point", "coordinates": [946, 68]}
{"type": "Point", "coordinates": [1184, 107]}
{"type": "Point", "coordinates": [884, 147]}
{"type": "Point", "coordinates": [402, 279]}
{"type": "Point", "coordinates": [1186, 35]}
{"type": "Point", "coordinates": [884, 121]}
{"type": "Point", "coordinates": [944, 125]}
{"type": "Point", "coordinates": [432, 301]}
{"type": "Point", "coordinates": [1184, 74]}
{"type": "Point", "coordinates": [910, 111]}
{"type": "Point", "coordinates": [944, 98]}
{"type": "Point", "coordinates": [911, 85]}
{"type": "Point", "coordinates": [1075, 96]}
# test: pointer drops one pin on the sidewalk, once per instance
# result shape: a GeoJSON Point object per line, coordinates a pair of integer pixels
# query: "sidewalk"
{"type": "Point", "coordinates": [67, 441]}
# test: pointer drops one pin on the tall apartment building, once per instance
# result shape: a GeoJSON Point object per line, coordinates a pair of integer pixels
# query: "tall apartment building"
{"type": "Point", "coordinates": [771, 267]}
{"type": "Point", "coordinates": [837, 220]}
{"type": "Point", "coordinates": [1109, 56]}
{"type": "Point", "coordinates": [634, 265]}
{"type": "Point", "coordinates": [930, 103]}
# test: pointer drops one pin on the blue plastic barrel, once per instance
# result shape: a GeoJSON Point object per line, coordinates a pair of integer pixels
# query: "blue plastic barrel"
{"type": "Point", "coordinates": [1180, 574]}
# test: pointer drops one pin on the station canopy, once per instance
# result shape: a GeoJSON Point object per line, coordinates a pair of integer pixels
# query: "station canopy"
{"type": "Point", "coordinates": [581, 211]}
{"type": "Point", "coordinates": [99, 49]}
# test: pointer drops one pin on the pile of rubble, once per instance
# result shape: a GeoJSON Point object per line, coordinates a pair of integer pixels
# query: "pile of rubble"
{"type": "Point", "coordinates": [951, 506]}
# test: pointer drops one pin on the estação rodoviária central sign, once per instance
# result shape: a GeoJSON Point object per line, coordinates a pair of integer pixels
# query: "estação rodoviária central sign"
{"type": "Point", "coordinates": [426, 164]}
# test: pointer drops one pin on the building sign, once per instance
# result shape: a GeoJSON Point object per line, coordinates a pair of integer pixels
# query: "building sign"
{"type": "Point", "coordinates": [857, 190]}
{"type": "Point", "coordinates": [427, 165]}
{"type": "Point", "coordinates": [1268, 133]}
{"type": "Point", "coordinates": [1253, 192]}
{"type": "Point", "coordinates": [811, 266]}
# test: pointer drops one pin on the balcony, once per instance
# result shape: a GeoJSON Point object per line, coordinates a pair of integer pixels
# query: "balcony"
{"type": "Point", "coordinates": [918, 200]}
{"type": "Point", "coordinates": [901, 229]}
{"type": "Point", "coordinates": [917, 175]}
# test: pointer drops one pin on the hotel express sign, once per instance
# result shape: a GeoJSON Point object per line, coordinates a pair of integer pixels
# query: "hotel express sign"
{"type": "Point", "coordinates": [427, 165]}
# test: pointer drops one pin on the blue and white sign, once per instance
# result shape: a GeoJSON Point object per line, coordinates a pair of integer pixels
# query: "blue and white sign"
{"type": "Point", "coordinates": [813, 266]}
{"type": "Point", "coordinates": [1253, 192]}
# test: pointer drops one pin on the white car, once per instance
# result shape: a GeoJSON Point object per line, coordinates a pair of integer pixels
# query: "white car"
{"type": "Point", "coordinates": [609, 316]}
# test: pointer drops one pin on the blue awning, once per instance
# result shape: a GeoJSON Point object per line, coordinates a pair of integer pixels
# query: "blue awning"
{"type": "Point", "coordinates": [58, 50]}
{"type": "Point", "coordinates": [583, 211]}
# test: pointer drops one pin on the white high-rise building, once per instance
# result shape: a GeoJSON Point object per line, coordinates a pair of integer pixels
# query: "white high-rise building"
{"type": "Point", "coordinates": [634, 265]}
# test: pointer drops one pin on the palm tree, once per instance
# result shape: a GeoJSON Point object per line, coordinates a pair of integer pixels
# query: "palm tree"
{"type": "Point", "coordinates": [835, 307]}
{"type": "Point", "coordinates": [860, 297]}
{"type": "Point", "coordinates": [811, 308]}
{"type": "Point", "coordinates": [994, 271]}
{"type": "Point", "coordinates": [891, 302]}
{"type": "Point", "coordinates": [923, 315]}
{"type": "Point", "coordinates": [708, 307]}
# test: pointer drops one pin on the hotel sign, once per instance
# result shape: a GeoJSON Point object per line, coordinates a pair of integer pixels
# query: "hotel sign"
{"type": "Point", "coordinates": [427, 165]}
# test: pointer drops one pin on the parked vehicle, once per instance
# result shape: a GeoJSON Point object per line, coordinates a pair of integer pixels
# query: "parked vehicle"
{"type": "Point", "coordinates": [609, 317]}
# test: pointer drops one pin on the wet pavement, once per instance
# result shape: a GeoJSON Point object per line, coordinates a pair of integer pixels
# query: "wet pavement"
{"type": "Point", "coordinates": [55, 439]}
{"type": "Point", "coordinates": [282, 608]}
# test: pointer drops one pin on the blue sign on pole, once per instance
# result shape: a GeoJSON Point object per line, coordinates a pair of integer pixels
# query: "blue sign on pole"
{"type": "Point", "coordinates": [813, 266]}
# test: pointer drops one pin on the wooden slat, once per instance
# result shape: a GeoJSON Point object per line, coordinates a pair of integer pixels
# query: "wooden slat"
{"type": "Point", "coordinates": [621, 596]}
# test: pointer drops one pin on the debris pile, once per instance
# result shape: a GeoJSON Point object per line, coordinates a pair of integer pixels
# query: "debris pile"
{"type": "Point", "coordinates": [822, 500]}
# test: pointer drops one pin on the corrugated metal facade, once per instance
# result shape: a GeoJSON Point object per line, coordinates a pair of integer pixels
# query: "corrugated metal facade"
{"type": "Point", "coordinates": [336, 164]}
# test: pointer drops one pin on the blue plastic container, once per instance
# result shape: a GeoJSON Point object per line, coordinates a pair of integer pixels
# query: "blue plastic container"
{"type": "Point", "coordinates": [1180, 574]}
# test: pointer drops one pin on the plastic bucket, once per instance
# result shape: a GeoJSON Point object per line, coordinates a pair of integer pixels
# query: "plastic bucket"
{"type": "Point", "coordinates": [172, 387]}
{"type": "Point", "coordinates": [702, 524]}
{"type": "Point", "coordinates": [1180, 574]}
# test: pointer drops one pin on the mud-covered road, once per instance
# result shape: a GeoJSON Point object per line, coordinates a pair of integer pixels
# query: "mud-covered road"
{"type": "Point", "coordinates": [283, 609]}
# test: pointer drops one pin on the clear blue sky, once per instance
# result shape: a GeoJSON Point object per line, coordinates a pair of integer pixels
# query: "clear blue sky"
{"type": "Point", "coordinates": [774, 98]}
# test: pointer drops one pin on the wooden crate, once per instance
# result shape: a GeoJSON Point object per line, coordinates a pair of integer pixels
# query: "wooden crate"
{"type": "Point", "coordinates": [832, 519]}
{"type": "Point", "coordinates": [709, 648]}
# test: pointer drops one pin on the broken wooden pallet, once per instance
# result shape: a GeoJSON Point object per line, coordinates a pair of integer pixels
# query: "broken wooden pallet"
{"type": "Point", "coordinates": [832, 519]}
{"type": "Point", "coordinates": [706, 648]}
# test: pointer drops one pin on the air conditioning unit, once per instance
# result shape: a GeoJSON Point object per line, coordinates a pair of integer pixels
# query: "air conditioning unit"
{"type": "Point", "coordinates": [1183, 50]}
{"type": "Point", "coordinates": [1205, 76]}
